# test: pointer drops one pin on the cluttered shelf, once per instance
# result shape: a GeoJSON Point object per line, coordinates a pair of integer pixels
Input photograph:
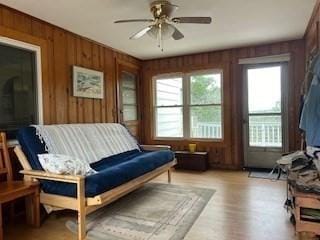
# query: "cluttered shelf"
{"type": "Point", "coordinates": [303, 198]}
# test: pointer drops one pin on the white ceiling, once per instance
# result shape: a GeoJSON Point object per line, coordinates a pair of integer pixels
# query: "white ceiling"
{"type": "Point", "coordinates": [235, 22]}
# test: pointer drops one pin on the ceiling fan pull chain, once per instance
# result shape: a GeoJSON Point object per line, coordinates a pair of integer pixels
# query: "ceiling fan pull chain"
{"type": "Point", "coordinates": [160, 36]}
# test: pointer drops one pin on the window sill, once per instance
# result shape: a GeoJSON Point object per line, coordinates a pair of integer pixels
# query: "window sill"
{"type": "Point", "coordinates": [189, 139]}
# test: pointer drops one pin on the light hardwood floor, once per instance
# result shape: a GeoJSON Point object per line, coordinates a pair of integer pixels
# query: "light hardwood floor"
{"type": "Point", "coordinates": [241, 209]}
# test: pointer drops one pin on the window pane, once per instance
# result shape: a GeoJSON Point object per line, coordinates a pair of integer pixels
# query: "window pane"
{"type": "Point", "coordinates": [128, 80]}
{"type": "Point", "coordinates": [129, 96]}
{"type": "Point", "coordinates": [265, 131]}
{"type": "Point", "coordinates": [17, 89]}
{"type": "Point", "coordinates": [264, 90]}
{"type": "Point", "coordinates": [169, 92]}
{"type": "Point", "coordinates": [206, 122]}
{"type": "Point", "coordinates": [169, 122]}
{"type": "Point", "coordinates": [129, 113]}
{"type": "Point", "coordinates": [205, 89]}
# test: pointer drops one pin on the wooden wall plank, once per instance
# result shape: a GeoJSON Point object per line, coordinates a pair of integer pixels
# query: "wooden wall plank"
{"type": "Point", "coordinates": [22, 23]}
{"type": "Point", "coordinates": [37, 28]}
{"type": "Point", "coordinates": [72, 59]}
{"type": "Point", "coordinates": [103, 102]}
{"type": "Point", "coordinates": [80, 107]}
{"type": "Point", "coordinates": [1, 16]}
{"type": "Point", "coordinates": [50, 115]}
{"type": "Point", "coordinates": [110, 85]}
{"type": "Point", "coordinates": [7, 18]}
{"type": "Point", "coordinates": [97, 66]}
{"type": "Point", "coordinates": [61, 76]}
{"type": "Point", "coordinates": [86, 48]}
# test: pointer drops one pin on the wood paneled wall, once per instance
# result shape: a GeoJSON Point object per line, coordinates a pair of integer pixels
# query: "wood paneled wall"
{"type": "Point", "coordinates": [61, 50]}
{"type": "Point", "coordinates": [229, 152]}
{"type": "Point", "coordinates": [312, 35]}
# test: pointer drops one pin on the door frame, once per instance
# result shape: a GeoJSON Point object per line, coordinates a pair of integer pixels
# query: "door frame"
{"type": "Point", "coordinates": [122, 66]}
{"type": "Point", "coordinates": [284, 108]}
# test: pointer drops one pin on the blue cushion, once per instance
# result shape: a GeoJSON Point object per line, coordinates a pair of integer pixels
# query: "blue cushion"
{"type": "Point", "coordinates": [31, 146]}
{"type": "Point", "coordinates": [112, 171]}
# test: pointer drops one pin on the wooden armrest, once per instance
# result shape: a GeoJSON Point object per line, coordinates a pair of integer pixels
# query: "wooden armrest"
{"type": "Point", "coordinates": [51, 176]}
{"type": "Point", "coordinates": [155, 147]}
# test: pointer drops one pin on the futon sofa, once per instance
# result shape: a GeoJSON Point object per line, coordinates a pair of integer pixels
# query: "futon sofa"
{"type": "Point", "coordinates": [116, 174]}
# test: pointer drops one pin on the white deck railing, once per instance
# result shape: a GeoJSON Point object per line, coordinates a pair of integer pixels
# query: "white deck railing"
{"type": "Point", "coordinates": [206, 130]}
{"type": "Point", "coordinates": [260, 134]}
{"type": "Point", "coordinates": [265, 134]}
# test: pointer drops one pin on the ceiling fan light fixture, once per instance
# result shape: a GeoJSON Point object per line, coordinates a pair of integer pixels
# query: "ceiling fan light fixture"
{"type": "Point", "coordinates": [162, 26]}
{"type": "Point", "coordinates": [167, 31]}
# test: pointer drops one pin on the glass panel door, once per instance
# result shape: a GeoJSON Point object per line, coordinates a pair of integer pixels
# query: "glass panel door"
{"type": "Point", "coordinates": [129, 97]}
{"type": "Point", "coordinates": [264, 114]}
{"type": "Point", "coordinates": [264, 104]}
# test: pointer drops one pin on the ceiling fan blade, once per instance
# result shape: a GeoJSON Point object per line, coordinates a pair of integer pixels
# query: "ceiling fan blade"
{"type": "Point", "coordinates": [140, 33]}
{"type": "Point", "coordinates": [169, 9]}
{"type": "Point", "coordinates": [198, 20]}
{"type": "Point", "coordinates": [177, 35]}
{"type": "Point", "coordinates": [134, 20]}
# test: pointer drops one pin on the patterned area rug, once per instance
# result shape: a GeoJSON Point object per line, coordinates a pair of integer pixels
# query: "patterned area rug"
{"type": "Point", "coordinates": [154, 212]}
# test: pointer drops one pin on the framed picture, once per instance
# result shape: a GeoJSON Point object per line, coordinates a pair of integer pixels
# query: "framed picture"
{"type": "Point", "coordinates": [87, 83]}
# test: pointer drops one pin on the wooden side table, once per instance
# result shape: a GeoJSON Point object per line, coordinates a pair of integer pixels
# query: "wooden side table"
{"type": "Point", "coordinates": [197, 161]}
{"type": "Point", "coordinates": [10, 191]}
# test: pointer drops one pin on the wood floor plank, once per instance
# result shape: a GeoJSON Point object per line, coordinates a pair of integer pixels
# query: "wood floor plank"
{"type": "Point", "coordinates": [241, 209]}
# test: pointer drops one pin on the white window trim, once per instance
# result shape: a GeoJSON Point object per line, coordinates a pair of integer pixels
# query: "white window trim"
{"type": "Point", "coordinates": [37, 50]}
{"type": "Point", "coordinates": [266, 59]}
{"type": "Point", "coordinates": [186, 105]}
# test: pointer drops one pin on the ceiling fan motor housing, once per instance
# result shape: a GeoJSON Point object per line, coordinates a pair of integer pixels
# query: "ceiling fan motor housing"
{"type": "Point", "coordinates": [162, 9]}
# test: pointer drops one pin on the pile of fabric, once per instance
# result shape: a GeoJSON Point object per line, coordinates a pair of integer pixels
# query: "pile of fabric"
{"type": "Point", "coordinates": [304, 170]}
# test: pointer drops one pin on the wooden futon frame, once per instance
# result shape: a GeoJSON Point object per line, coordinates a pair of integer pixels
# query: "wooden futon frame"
{"type": "Point", "coordinates": [81, 204]}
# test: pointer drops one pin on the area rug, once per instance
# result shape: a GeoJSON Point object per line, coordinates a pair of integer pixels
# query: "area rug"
{"type": "Point", "coordinates": [154, 212]}
{"type": "Point", "coordinates": [267, 175]}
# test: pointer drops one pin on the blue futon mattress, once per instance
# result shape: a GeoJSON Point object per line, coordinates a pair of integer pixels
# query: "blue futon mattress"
{"type": "Point", "coordinates": [112, 171]}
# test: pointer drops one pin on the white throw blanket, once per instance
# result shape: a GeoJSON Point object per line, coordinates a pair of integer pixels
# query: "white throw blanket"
{"type": "Point", "coordinates": [89, 142]}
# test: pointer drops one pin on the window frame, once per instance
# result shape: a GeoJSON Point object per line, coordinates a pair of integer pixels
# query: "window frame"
{"type": "Point", "coordinates": [186, 104]}
{"type": "Point", "coordinates": [38, 71]}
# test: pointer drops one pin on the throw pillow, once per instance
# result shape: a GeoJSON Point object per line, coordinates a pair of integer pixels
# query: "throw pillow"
{"type": "Point", "coordinates": [62, 164]}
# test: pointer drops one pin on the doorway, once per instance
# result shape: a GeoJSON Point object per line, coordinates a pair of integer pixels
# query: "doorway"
{"type": "Point", "coordinates": [128, 100]}
{"type": "Point", "coordinates": [265, 114]}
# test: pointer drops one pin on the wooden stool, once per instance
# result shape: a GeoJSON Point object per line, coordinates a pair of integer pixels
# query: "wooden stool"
{"type": "Point", "coordinates": [11, 190]}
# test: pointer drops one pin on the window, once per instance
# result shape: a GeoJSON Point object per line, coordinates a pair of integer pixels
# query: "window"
{"type": "Point", "coordinates": [18, 91]}
{"type": "Point", "coordinates": [189, 105]}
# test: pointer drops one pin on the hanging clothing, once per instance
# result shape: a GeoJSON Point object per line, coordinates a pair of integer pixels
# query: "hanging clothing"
{"type": "Point", "coordinates": [310, 117]}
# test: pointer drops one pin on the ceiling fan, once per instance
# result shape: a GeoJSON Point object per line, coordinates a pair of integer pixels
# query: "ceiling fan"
{"type": "Point", "coordinates": [162, 26]}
